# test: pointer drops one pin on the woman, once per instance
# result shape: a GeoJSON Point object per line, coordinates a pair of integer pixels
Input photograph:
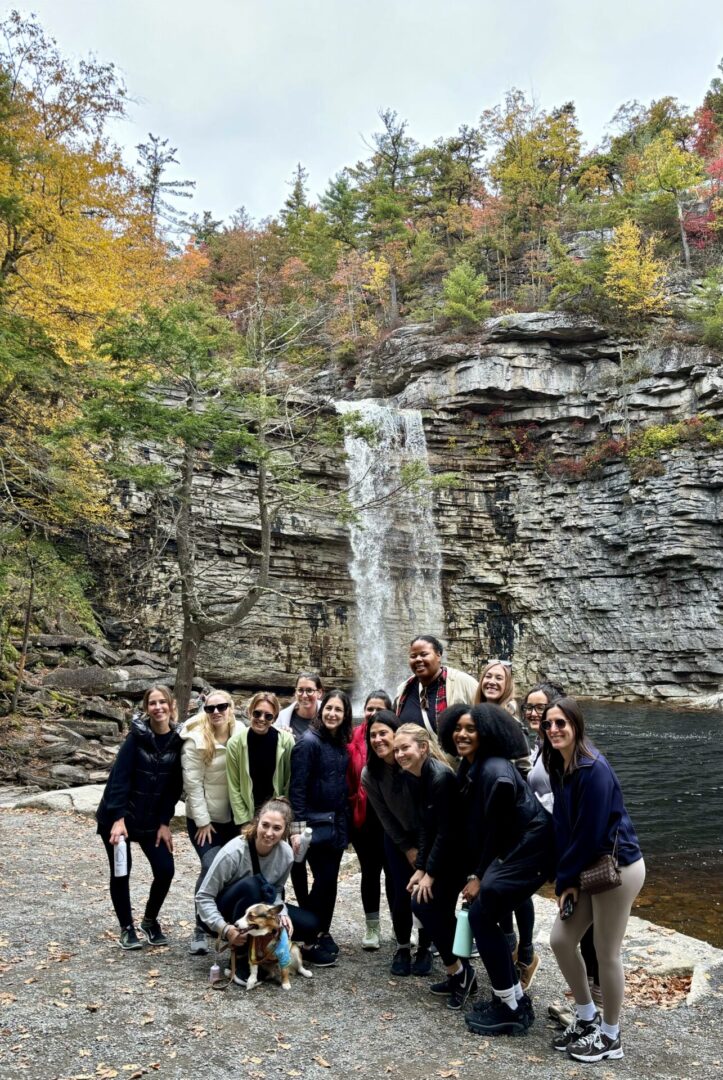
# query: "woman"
{"type": "Point", "coordinates": [320, 797]}
{"type": "Point", "coordinates": [497, 686]}
{"type": "Point", "coordinates": [389, 794]}
{"type": "Point", "coordinates": [509, 851]}
{"type": "Point", "coordinates": [258, 759]}
{"type": "Point", "coordinates": [439, 872]}
{"type": "Point", "coordinates": [433, 685]}
{"type": "Point", "coordinates": [367, 836]}
{"type": "Point", "coordinates": [137, 806]}
{"type": "Point", "coordinates": [590, 821]}
{"type": "Point", "coordinates": [209, 818]}
{"type": "Point", "coordinates": [232, 883]}
{"type": "Point", "coordinates": [297, 716]}
{"type": "Point", "coordinates": [535, 702]}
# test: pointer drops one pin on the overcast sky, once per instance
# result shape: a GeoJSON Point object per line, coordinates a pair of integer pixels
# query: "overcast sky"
{"type": "Point", "coordinates": [247, 88]}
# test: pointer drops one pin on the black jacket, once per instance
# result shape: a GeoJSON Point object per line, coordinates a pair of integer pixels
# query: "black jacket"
{"type": "Point", "coordinates": [145, 782]}
{"type": "Point", "coordinates": [318, 784]}
{"type": "Point", "coordinates": [439, 832]}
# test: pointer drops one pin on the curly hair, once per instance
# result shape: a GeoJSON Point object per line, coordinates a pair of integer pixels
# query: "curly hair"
{"type": "Point", "coordinates": [500, 735]}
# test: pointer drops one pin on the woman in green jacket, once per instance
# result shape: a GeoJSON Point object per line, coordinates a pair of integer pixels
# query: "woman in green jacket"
{"type": "Point", "coordinates": [258, 760]}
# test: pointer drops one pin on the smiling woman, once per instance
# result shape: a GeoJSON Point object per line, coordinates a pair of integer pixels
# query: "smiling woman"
{"type": "Point", "coordinates": [258, 760]}
{"type": "Point", "coordinates": [433, 685]}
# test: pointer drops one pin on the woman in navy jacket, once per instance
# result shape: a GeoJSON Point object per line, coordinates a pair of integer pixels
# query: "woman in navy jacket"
{"type": "Point", "coordinates": [137, 805]}
{"type": "Point", "coordinates": [590, 821]}
{"type": "Point", "coordinates": [320, 797]}
{"type": "Point", "coordinates": [509, 850]}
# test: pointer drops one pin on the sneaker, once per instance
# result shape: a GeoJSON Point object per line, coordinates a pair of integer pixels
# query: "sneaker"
{"type": "Point", "coordinates": [152, 929]}
{"type": "Point", "coordinates": [498, 1019]}
{"type": "Point", "coordinates": [595, 1046]}
{"type": "Point", "coordinates": [318, 955]}
{"type": "Point", "coordinates": [402, 963]}
{"type": "Point", "coordinates": [422, 962]}
{"type": "Point", "coordinates": [199, 945]}
{"type": "Point", "coordinates": [328, 944]}
{"type": "Point", "coordinates": [525, 1007]}
{"type": "Point", "coordinates": [527, 971]}
{"type": "Point", "coordinates": [464, 983]}
{"type": "Point", "coordinates": [443, 988]}
{"type": "Point", "coordinates": [129, 938]}
{"type": "Point", "coordinates": [371, 936]}
{"type": "Point", "coordinates": [575, 1031]}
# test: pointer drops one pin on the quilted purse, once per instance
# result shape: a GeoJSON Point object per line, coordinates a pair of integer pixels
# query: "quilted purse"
{"type": "Point", "coordinates": [603, 874]}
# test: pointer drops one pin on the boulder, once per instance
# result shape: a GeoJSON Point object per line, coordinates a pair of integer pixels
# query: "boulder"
{"type": "Point", "coordinates": [97, 707]}
{"type": "Point", "coordinates": [69, 774]}
{"type": "Point", "coordinates": [132, 680]}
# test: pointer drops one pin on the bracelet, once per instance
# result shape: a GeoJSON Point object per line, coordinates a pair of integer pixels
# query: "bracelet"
{"type": "Point", "coordinates": [472, 877]}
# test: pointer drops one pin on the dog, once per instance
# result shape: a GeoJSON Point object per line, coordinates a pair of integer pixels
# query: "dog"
{"type": "Point", "coordinates": [269, 945]}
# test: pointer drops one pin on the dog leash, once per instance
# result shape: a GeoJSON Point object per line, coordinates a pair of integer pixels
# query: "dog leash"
{"type": "Point", "coordinates": [221, 946]}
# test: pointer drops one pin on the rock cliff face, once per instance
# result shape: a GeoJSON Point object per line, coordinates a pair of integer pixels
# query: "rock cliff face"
{"type": "Point", "coordinates": [552, 553]}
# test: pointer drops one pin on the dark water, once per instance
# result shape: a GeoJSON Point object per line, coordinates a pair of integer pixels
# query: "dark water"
{"type": "Point", "coordinates": [670, 766]}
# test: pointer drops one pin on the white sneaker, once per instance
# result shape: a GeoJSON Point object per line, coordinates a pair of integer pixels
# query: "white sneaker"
{"type": "Point", "coordinates": [371, 936]}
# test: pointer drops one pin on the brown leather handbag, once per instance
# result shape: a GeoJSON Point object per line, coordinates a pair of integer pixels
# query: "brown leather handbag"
{"type": "Point", "coordinates": [603, 874]}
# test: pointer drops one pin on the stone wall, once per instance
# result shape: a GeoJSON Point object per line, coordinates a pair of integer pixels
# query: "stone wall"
{"type": "Point", "coordinates": [613, 585]}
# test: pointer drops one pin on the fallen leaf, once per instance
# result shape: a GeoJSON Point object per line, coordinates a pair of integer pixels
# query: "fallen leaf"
{"type": "Point", "coordinates": [322, 1061]}
{"type": "Point", "coordinates": [93, 1006]}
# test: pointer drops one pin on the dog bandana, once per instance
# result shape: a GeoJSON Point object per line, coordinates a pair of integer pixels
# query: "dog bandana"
{"type": "Point", "coordinates": [271, 948]}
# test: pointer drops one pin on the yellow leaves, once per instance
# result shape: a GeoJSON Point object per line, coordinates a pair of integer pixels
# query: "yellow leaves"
{"type": "Point", "coordinates": [633, 276]}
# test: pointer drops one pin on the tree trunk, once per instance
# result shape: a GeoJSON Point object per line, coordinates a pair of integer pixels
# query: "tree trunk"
{"type": "Point", "coordinates": [683, 237]}
{"type": "Point", "coordinates": [26, 634]}
{"type": "Point", "coordinates": [393, 300]}
{"type": "Point", "coordinates": [190, 644]}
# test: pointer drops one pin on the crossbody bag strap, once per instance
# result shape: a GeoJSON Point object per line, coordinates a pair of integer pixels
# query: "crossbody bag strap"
{"type": "Point", "coordinates": [254, 855]}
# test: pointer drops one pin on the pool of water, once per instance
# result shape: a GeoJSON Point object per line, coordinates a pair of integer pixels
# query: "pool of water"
{"type": "Point", "coordinates": [670, 766]}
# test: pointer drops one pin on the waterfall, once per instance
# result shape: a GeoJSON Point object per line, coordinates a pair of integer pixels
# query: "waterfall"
{"type": "Point", "coordinates": [396, 557]}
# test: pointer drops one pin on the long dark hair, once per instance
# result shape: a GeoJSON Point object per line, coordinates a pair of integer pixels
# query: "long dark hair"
{"type": "Point", "coordinates": [382, 695]}
{"type": "Point", "coordinates": [346, 724]}
{"type": "Point", "coordinates": [375, 765]}
{"type": "Point", "coordinates": [500, 735]}
{"type": "Point", "coordinates": [549, 689]}
{"type": "Point", "coordinates": [552, 759]}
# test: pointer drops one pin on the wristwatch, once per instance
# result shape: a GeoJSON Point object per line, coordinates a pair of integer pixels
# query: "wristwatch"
{"type": "Point", "coordinates": [472, 877]}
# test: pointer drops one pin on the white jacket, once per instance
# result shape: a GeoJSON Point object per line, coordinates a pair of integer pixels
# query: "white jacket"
{"type": "Point", "coordinates": [205, 785]}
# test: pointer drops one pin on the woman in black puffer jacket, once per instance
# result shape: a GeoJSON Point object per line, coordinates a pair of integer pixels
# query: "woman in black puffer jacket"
{"type": "Point", "coordinates": [320, 797]}
{"type": "Point", "coordinates": [137, 805]}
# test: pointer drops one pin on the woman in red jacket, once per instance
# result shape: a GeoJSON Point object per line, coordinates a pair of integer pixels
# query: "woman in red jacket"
{"type": "Point", "coordinates": [367, 835]}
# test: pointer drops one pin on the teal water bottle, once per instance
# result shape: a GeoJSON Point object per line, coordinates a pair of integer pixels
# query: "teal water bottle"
{"type": "Point", "coordinates": [462, 946]}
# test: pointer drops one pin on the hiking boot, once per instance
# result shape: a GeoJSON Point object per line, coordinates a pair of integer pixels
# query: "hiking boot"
{"type": "Point", "coordinates": [498, 1019]}
{"type": "Point", "coordinates": [199, 945]}
{"type": "Point", "coordinates": [422, 964]}
{"type": "Point", "coordinates": [464, 983]}
{"type": "Point", "coordinates": [575, 1031]}
{"type": "Point", "coordinates": [595, 1046]}
{"type": "Point", "coordinates": [318, 956]}
{"type": "Point", "coordinates": [152, 929]}
{"type": "Point", "coordinates": [527, 971]}
{"type": "Point", "coordinates": [328, 944]}
{"type": "Point", "coordinates": [371, 935]}
{"type": "Point", "coordinates": [129, 938]}
{"type": "Point", "coordinates": [402, 963]}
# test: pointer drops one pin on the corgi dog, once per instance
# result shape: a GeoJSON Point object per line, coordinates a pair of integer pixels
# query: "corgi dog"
{"type": "Point", "coordinates": [269, 945]}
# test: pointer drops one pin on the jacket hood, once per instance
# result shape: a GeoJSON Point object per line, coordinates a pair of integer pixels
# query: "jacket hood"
{"type": "Point", "coordinates": [193, 730]}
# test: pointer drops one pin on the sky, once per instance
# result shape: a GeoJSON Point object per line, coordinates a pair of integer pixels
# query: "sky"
{"type": "Point", "coordinates": [245, 89]}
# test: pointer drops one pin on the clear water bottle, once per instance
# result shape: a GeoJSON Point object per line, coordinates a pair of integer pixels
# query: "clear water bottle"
{"type": "Point", "coordinates": [120, 858]}
{"type": "Point", "coordinates": [304, 842]}
{"type": "Point", "coordinates": [214, 974]}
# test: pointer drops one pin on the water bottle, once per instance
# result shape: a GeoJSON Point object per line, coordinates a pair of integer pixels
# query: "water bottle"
{"type": "Point", "coordinates": [120, 858]}
{"type": "Point", "coordinates": [303, 844]}
{"type": "Point", "coordinates": [214, 974]}
{"type": "Point", "coordinates": [462, 946]}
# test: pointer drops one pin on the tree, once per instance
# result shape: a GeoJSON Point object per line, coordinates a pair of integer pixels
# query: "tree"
{"type": "Point", "coordinates": [464, 295]}
{"type": "Point", "coordinates": [154, 157]}
{"type": "Point", "coordinates": [633, 277]}
{"type": "Point", "coordinates": [666, 169]}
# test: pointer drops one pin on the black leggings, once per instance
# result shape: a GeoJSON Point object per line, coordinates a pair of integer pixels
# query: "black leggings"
{"type": "Point", "coordinates": [324, 861]}
{"type": "Point", "coordinates": [437, 916]}
{"type": "Point", "coordinates": [233, 901]}
{"type": "Point", "coordinates": [368, 842]}
{"type": "Point", "coordinates": [398, 872]}
{"type": "Point", "coordinates": [162, 868]}
{"type": "Point", "coordinates": [225, 831]}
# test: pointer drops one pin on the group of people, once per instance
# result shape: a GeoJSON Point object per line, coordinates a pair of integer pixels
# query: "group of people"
{"type": "Point", "coordinates": [441, 796]}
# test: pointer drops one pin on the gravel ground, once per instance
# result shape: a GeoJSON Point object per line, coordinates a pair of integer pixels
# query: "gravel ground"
{"type": "Point", "coordinates": [75, 1007]}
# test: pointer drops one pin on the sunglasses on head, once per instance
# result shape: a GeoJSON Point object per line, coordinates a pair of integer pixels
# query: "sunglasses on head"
{"type": "Point", "coordinates": [259, 714]}
{"type": "Point", "coordinates": [504, 663]}
{"type": "Point", "coordinates": [559, 724]}
{"type": "Point", "coordinates": [221, 707]}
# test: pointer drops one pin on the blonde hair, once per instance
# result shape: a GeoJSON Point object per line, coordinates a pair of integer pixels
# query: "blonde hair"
{"type": "Point", "coordinates": [229, 722]}
{"type": "Point", "coordinates": [422, 737]}
{"type": "Point", "coordinates": [507, 700]}
{"type": "Point", "coordinates": [263, 695]}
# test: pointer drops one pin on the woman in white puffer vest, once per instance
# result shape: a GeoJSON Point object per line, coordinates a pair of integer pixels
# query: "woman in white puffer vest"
{"type": "Point", "coordinates": [209, 818]}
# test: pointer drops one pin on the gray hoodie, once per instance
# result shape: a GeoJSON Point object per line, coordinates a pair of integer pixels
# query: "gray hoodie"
{"type": "Point", "coordinates": [233, 863]}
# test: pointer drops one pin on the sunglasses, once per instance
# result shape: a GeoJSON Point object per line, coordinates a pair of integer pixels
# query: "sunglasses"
{"type": "Point", "coordinates": [504, 663]}
{"type": "Point", "coordinates": [259, 714]}
{"type": "Point", "coordinates": [559, 724]}
{"type": "Point", "coordinates": [216, 708]}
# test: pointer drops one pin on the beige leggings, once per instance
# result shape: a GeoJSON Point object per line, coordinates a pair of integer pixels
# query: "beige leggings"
{"type": "Point", "coordinates": [608, 912]}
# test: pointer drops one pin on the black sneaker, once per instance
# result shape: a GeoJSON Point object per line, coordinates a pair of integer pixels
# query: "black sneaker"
{"type": "Point", "coordinates": [152, 929]}
{"type": "Point", "coordinates": [464, 983]}
{"type": "Point", "coordinates": [318, 956]}
{"type": "Point", "coordinates": [443, 988]}
{"type": "Point", "coordinates": [422, 964]}
{"type": "Point", "coordinates": [402, 963]}
{"type": "Point", "coordinates": [595, 1046]}
{"type": "Point", "coordinates": [497, 1018]}
{"type": "Point", "coordinates": [129, 938]}
{"type": "Point", "coordinates": [575, 1031]}
{"type": "Point", "coordinates": [328, 944]}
